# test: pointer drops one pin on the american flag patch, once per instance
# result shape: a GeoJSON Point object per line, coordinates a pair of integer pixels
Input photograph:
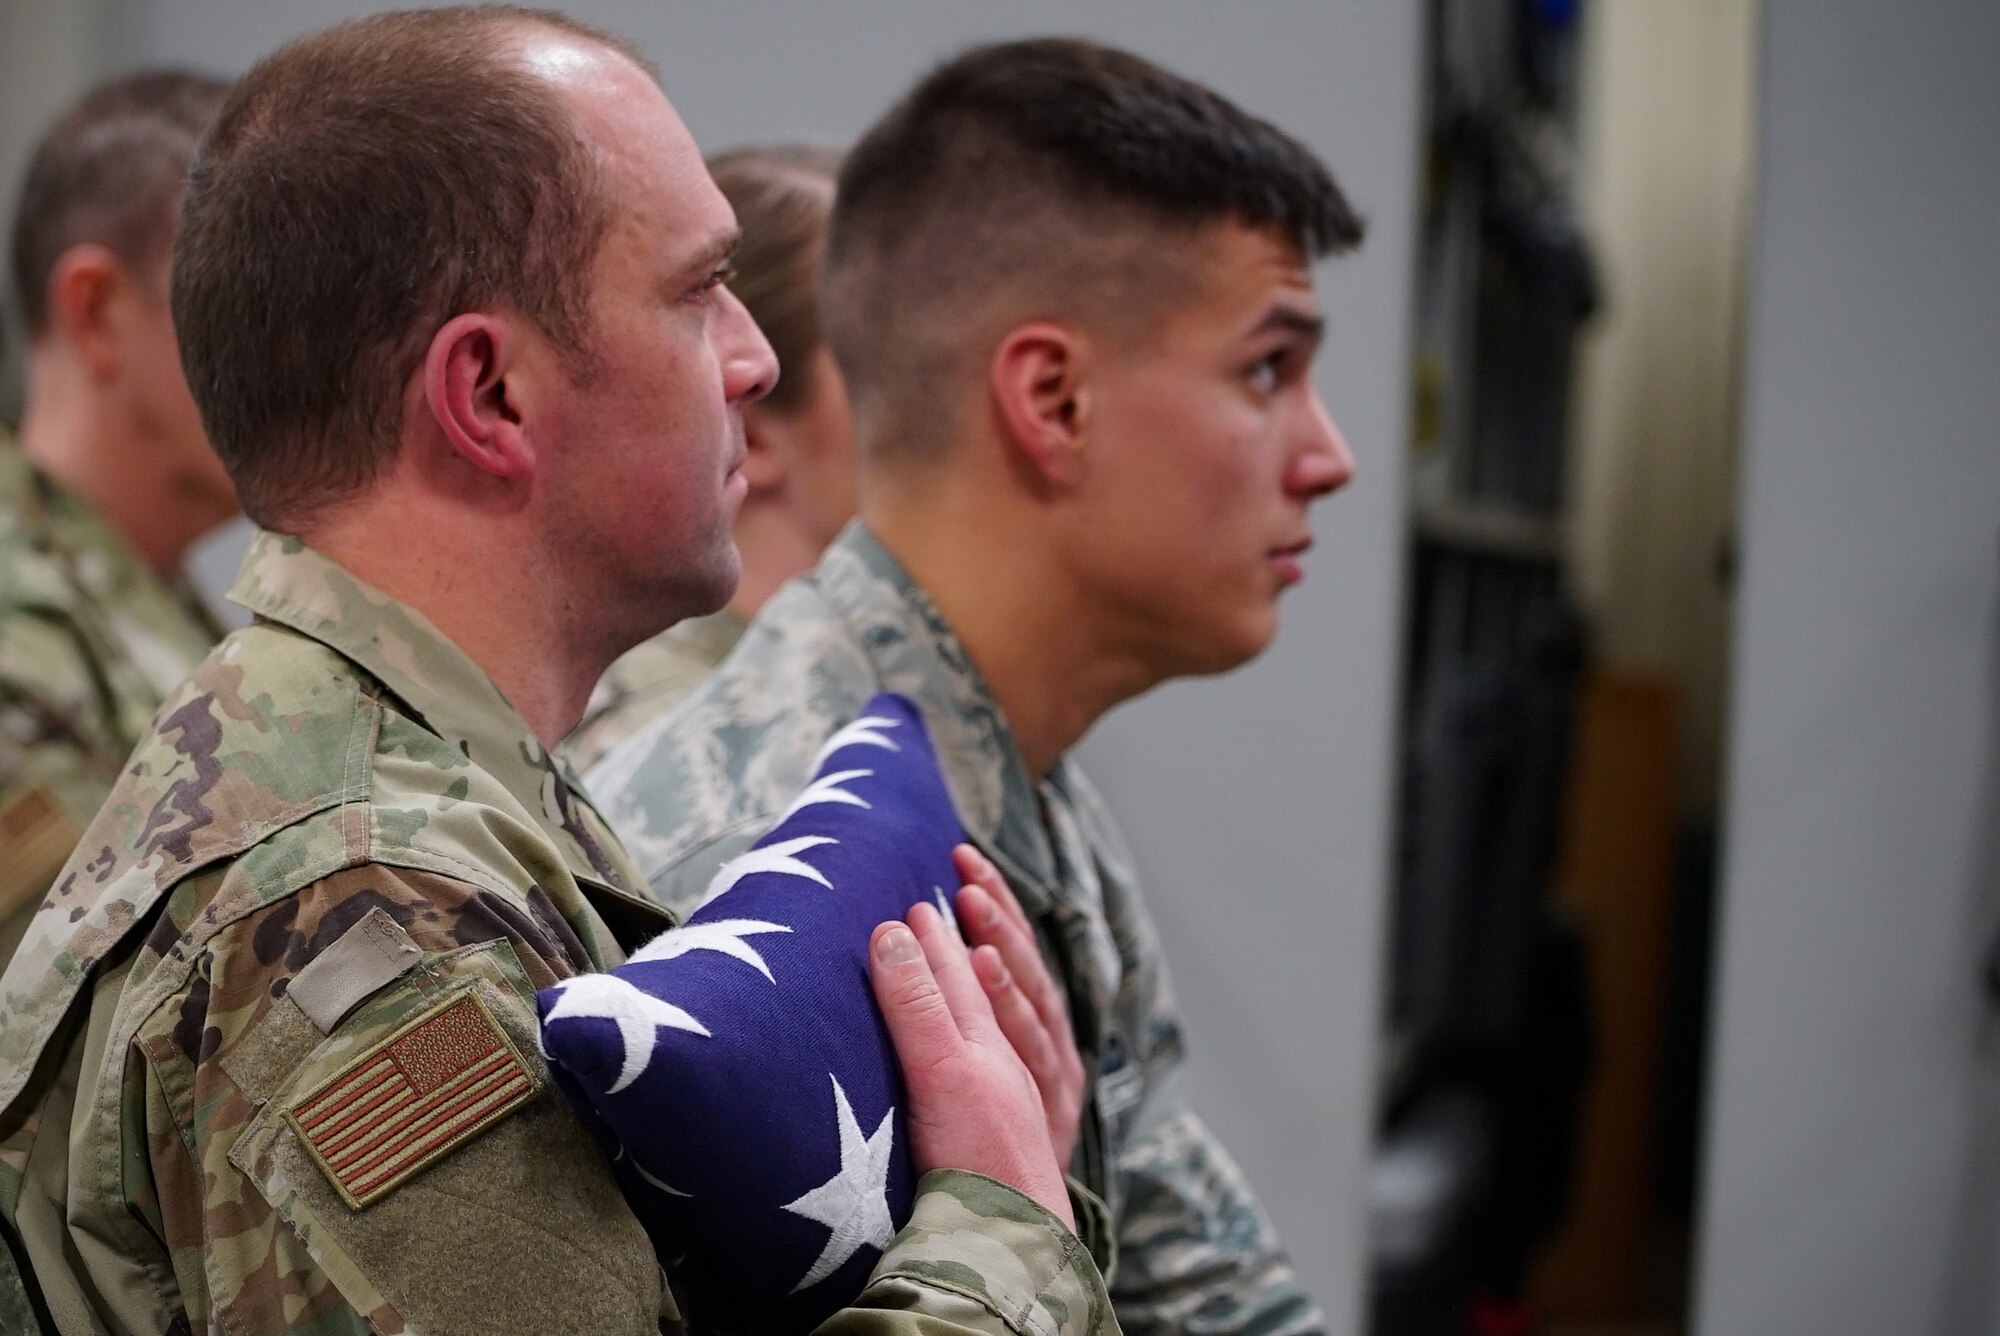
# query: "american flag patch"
{"type": "Point", "coordinates": [411, 1099]}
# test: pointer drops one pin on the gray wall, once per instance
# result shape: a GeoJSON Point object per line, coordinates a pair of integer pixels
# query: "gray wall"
{"type": "Point", "coordinates": [1259, 803]}
{"type": "Point", "coordinates": [1852, 1181]}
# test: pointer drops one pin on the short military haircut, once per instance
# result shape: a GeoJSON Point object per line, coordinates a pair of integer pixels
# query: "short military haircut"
{"type": "Point", "coordinates": [362, 186]}
{"type": "Point", "coordinates": [109, 173]}
{"type": "Point", "coordinates": [782, 194]}
{"type": "Point", "coordinates": [1040, 179]}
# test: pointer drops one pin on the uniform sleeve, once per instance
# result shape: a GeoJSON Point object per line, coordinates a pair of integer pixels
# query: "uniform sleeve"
{"type": "Point", "coordinates": [391, 1156]}
{"type": "Point", "coordinates": [978, 1256]}
{"type": "Point", "coordinates": [383, 1151]}
{"type": "Point", "coordinates": [1196, 1252]}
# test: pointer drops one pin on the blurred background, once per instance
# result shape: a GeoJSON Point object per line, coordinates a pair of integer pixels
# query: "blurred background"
{"type": "Point", "coordinates": [1585, 916]}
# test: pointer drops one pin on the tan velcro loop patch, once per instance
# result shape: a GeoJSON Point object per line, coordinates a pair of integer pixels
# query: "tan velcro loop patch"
{"type": "Point", "coordinates": [410, 1100]}
{"type": "Point", "coordinates": [372, 954]}
{"type": "Point", "coordinates": [37, 836]}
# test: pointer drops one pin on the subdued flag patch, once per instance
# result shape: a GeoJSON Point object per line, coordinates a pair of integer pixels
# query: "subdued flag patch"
{"type": "Point", "coordinates": [408, 1101]}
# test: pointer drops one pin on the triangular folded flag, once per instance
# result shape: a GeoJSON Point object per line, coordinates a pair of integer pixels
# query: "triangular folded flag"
{"type": "Point", "coordinates": [737, 1069]}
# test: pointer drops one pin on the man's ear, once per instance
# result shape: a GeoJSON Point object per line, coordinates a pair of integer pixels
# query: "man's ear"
{"type": "Point", "coordinates": [469, 395]}
{"type": "Point", "coordinates": [1041, 397]}
{"type": "Point", "coordinates": [84, 284]}
{"type": "Point", "coordinates": [765, 456]}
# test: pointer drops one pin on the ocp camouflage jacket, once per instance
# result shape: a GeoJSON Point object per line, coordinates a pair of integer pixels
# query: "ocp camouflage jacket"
{"type": "Point", "coordinates": [268, 1058]}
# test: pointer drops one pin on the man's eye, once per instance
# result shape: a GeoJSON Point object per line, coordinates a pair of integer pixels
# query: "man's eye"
{"type": "Point", "coordinates": [723, 274]}
{"type": "Point", "coordinates": [1264, 375]}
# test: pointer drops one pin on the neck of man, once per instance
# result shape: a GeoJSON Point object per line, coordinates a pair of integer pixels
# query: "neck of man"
{"type": "Point", "coordinates": [983, 554]}
{"type": "Point", "coordinates": [88, 438]}
{"type": "Point", "coordinates": [775, 547]}
{"type": "Point", "coordinates": [487, 586]}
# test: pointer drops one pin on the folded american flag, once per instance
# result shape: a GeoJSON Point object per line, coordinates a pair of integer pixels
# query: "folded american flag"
{"type": "Point", "coordinates": [737, 1069]}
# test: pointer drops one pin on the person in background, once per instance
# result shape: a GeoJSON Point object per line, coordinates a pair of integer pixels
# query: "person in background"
{"type": "Point", "coordinates": [1070, 294]}
{"type": "Point", "coordinates": [111, 478]}
{"type": "Point", "coordinates": [450, 286]}
{"type": "Point", "coordinates": [799, 438]}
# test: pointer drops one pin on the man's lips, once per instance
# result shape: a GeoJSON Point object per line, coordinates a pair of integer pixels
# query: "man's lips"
{"type": "Point", "coordinates": [1289, 560]}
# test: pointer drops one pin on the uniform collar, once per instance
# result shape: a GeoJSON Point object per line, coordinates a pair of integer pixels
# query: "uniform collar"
{"type": "Point", "coordinates": [915, 652]}
{"type": "Point", "coordinates": [285, 581]}
{"type": "Point", "coordinates": [711, 638]}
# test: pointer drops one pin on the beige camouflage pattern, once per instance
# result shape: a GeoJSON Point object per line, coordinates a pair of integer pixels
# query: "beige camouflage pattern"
{"type": "Point", "coordinates": [954, 1259]}
{"type": "Point", "coordinates": [91, 641]}
{"type": "Point", "coordinates": [340, 757]}
{"type": "Point", "coordinates": [649, 680]}
{"type": "Point", "coordinates": [689, 791]}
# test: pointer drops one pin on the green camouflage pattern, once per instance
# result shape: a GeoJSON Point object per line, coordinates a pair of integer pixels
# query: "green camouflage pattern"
{"type": "Point", "coordinates": [91, 641]}
{"type": "Point", "coordinates": [649, 680]}
{"type": "Point", "coordinates": [340, 757]}
{"type": "Point", "coordinates": [689, 791]}
{"type": "Point", "coordinates": [955, 1258]}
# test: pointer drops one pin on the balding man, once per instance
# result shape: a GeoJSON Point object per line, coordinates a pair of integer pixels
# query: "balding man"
{"type": "Point", "coordinates": [451, 293]}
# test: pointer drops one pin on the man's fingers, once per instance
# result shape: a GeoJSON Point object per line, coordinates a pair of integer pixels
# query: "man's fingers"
{"type": "Point", "coordinates": [1017, 1016]}
{"type": "Point", "coordinates": [981, 911]}
{"type": "Point", "coordinates": [951, 967]}
{"type": "Point", "coordinates": [976, 869]}
{"type": "Point", "coordinates": [919, 1018]}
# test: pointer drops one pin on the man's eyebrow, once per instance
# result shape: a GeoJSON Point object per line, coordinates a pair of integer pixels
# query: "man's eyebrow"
{"type": "Point", "coordinates": [1290, 320]}
{"type": "Point", "coordinates": [711, 256]}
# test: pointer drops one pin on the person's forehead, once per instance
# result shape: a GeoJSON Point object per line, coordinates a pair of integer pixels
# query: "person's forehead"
{"type": "Point", "coordinates": [1239, 274]}
{"type": "Point", "coordinates": [651, 166]}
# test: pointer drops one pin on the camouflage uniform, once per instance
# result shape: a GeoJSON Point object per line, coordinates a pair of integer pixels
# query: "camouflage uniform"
{"type": "Point", "coordinates": [1196, 1251]}
{"type": "Point", "coordinates": [91, 641]}
{"type": "Point", "coordinates": [650, 680]}
{"type": "Point", "coordinates": [337, 840]}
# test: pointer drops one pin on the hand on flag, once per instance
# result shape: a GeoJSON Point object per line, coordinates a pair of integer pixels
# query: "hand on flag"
{"type": "Point", "coordinates": [973, 1102]}
{"type": "Point", "coordinates": [1026, 1001]}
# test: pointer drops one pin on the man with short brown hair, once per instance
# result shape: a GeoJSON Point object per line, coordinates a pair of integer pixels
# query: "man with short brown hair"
{"type": "Point", "coordinates": [1070, 293]}
{"type": "Point", "coordinates": [451, 287]}
{"type": "Point", "coordinates": [111, 479]}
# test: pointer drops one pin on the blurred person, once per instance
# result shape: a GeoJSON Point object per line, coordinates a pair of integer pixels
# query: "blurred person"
{"type": "Point", "coordinates": [111, 479]}
{"type": "Point", "coordinates": [450, 292]}
{"type": "Point", "coordinates": [798, 439]}
{"type": "Point", "coordinates": [1070, 294]}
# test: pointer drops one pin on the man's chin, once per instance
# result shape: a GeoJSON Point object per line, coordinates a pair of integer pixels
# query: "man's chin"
{"type": "Point", "coordinates": [1234, 646]}
{"type": "Point", "coordinates": [721, 576]}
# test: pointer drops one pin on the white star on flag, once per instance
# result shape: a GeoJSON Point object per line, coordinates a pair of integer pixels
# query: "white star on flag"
{"type": "Point", "coordinates": [854, 1203]}
{"type": "Point", "coordinates": [638, 1015]}
{"type": "Point", "coordinates": [827, 789]}
{"type": "Point", "coordinates": [723, 935]}
{"type": "Point", "coordinates": [863, 732]}
{"type": "Point", "coordinates": [780, 857]}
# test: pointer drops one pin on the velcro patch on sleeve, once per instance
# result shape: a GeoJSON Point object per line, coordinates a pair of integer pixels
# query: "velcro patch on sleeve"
{"type": "Point", "coordinates": [369, 956]}
{"type": "Point", "coordinates": [407, 1102]}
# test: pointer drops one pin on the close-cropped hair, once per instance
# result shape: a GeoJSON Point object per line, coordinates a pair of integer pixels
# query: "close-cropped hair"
{"type": "Point", "coordinates": [782, 194]}
{"type": "Point", "coordinates": [110, 172]}
{"type": "Point", "coordinates": [1051, 178]}
{"type": "Point", "coordinates": [362, 186]}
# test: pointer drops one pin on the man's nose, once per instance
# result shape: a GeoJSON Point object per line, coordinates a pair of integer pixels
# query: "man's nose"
{"type": "Point", "coordinates": [749, 367]}
{"type": "Point", "coordinates": [1323, 463]}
